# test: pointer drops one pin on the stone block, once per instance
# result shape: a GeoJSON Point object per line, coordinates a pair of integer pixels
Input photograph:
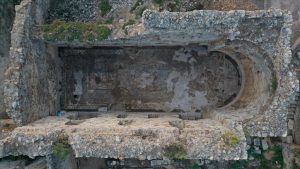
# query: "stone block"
{"type": "Point", "coordinates": [264, 144]}
{"type": "Point", "coordinates": [291, 124]}
{"type": "Point", "coordinates": [256, 142]}
{"type": "Point", "coordinates": [289, 139]}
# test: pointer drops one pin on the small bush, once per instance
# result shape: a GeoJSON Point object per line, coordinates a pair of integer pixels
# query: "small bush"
{"type": "Point", "coordinates": [278, 156]}
{"type": "Point", "coordinates": [240, 164]}
{"type": "Point", "coordinates": [105, 7]}
{"type": "Point", "coordinates": [62, 149]}
{"type": "Point", "coordinates": [274, 84]}
{"type": "Point", "coordinates": [175, 151]}
{"type": "Point", "coordinates": [109, 20]}
{"type": "Point", "coordinates": [139, 12]}
{"type": "Point", "coordinates": [230, 138]}
{"type": "Point", "coordinates": [130, 22]}
{"type": "Point", "coordinates": [159, 2]}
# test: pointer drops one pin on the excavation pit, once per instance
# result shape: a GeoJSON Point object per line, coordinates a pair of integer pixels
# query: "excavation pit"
{"type": "Point", "coordinates": [145, 79]}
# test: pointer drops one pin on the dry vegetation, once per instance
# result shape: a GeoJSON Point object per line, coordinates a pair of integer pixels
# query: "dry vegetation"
{"type": "Point", "coordinates": [226, 5]}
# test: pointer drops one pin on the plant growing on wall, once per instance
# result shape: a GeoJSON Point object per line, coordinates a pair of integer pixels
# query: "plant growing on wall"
{"type": "Point", "coordinates": [62, 148]}
{"type": "Point", "coordinates": [230, 138]}
{"type": "Point", "coordinates": [159, 2]}
{"type": "Point", "coordinates": [71, 31]}
{"type": "Point", "coordinates": [274, 84]}
{"type": "Point", "coordinates": [175, 151]}
{"type": "Point", "coordinates": [105, 7]}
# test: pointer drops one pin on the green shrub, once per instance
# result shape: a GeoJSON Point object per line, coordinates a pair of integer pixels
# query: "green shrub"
{"type": "Point", "coordinates": [62, 149]}
{"type": "Point", "coordinates": [175, 151]}
{"type": "Point", "coordinates": [130, 22]}
{"type": "Point", "coordinates": [278, 156]}
{"type": "Point", "coordinates": [274, 84]}
{"type": "Point", "coordinates": [139, 12]}
{"type": "Point", "coordinates": [105, 7]}
{"type": "Point", "coordinates": [240, 164]}
{"type": "Point", "coordinates": [159, 2]}
{"type": "Point", "coordinates": [71, 31]}
{"type": "Point", "coordinates": [230, 138]}
{"type": "Point", "coordinates": [195, 166]}
{"type": "Point", "coordinates": [109, 20]}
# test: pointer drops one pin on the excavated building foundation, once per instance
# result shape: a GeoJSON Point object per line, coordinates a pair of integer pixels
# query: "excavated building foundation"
{"type": "Point", "coordinates": [202, 81]}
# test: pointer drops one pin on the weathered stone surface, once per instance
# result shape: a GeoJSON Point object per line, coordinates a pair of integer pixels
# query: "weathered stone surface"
{"type": "Point", "coordinates": [290, 124]}
{"type": "Point", "coordinates": [289, 139]}
{"type": "Point", "coordinates": [12, 164]}
{"type": "Point", "coordinates": [30, 91]}
{"type": "Point", "coordinates": [7, 18]}
{"type": "Point", "coordinates": [39, 163]}
{"type": "Point", "coordinates": [264, 144]}
{"type": "Point", "coordinates": [102, 137]}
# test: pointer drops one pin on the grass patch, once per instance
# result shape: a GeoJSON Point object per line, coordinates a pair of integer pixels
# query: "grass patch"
{"type": "Point", "coordinates": [159, 2]}
{"type": "Point", "coordinates": [175, 152]}
{"type": "Point", "coordinates": [230, 138]}
{"type": "Point", "coordinates": [62, 149]}
{"type": "Point", "coordinates": [104, 7]}
{"type": "Point", "coordinates": [109, 20]}
{"type": "Point", "coordinates": [139, 11]}
{"type": "Point", "coordinates": [274, 84]}
{"type": "Point", "coordinates": [71, 31]}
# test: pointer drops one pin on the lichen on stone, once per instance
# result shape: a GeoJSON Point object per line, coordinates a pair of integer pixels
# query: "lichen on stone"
{"type": "Point", "coordinates": [230, 138]}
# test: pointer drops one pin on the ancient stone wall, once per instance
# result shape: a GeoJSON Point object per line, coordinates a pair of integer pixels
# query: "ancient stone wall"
{"type": "Point", "coordinates": [31, 78]}
{"type": "Point", "coordinates": [6, 22]}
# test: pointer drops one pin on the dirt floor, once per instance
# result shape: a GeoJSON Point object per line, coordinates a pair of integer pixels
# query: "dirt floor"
{"type": "Point", "coordinates": [149, 78]}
